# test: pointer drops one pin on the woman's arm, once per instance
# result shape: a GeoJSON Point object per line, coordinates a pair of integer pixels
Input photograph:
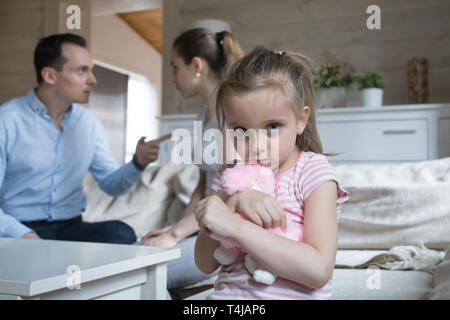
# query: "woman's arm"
{"type": "Point", "coordinates": [186, 226]}
{"type": "Point", "coordinates": [310, 262]}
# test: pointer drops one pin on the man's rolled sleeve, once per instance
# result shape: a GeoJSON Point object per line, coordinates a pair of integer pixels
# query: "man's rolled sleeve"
{"type": "Point", "coordinates": [11, 227]}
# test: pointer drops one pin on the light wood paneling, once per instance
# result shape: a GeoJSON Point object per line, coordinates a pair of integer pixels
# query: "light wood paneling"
{"type": "Point", "coordinates": [21, 27]}
{"type": "Point", "coordinates": [148, 24]}
{"type": "Point", "coordinates": [17, 85]}
{"type": "Point", "coordinates": [17, 21]}
{"type": "Point", "coordinates": [409, 28]}
{"type": "Point", "coordinates": [20, 5]}
{"type": "Point", "coordinates": [22, 24]}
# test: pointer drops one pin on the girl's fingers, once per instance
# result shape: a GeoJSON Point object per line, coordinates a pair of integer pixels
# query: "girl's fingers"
{"type": "Point", "coordinates": [252, 215]}
{"type": "Point", "coordinates": [283, 218]}
{"type": "Point", "coordinates": [265, 216]}
{"type": "Point", "coordinates": [279, 216]}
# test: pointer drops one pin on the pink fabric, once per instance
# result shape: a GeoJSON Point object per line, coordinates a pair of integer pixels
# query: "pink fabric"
{"type": "Point", "coordinates": [248, 176]}
{"type": "Point", "coordinates": [292, 188]}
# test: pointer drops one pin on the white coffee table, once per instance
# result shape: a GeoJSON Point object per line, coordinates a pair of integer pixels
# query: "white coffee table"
{"type": "Point", "coordinates": [47, 269]}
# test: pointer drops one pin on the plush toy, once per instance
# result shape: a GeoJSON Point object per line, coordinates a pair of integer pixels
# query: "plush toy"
{"type": "Point", "coordinates": [252, 176]}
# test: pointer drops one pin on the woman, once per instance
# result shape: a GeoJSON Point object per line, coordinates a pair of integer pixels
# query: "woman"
{"type": "Point", "coordinates": [199, 57]}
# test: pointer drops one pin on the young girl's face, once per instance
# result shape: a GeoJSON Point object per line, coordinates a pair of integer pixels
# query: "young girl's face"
{"type": "Point", "coordinates": [268, 109]}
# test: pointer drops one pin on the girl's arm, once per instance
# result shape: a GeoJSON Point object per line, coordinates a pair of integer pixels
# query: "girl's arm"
{"type": "Point", "coordinates": [204, 249]}
{"type": "Point", "coordinates": [310, 262]}
{"type": "Point", "coordinates": [170, 236]}
{"type": "Point", "coordinates": [205, 245]}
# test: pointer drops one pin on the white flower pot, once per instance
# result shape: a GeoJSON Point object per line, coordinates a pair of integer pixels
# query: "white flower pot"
{"type": "Point", "coordinates": [372, 97]}
{"type": "Point", "coordinates": [333, 97]}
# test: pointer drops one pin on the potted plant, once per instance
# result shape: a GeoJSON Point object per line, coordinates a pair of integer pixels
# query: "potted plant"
{"type": "Point", "coordinates": [371, 85]}
{"type": "Point", "coordinates": [331, 81]}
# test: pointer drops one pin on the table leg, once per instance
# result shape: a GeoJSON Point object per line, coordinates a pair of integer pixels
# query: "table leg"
{"type": "Point", "coordinates": [156, 285]}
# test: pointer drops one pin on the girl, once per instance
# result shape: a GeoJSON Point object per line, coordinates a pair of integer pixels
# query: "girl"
{"type": "Point", "coordinates": [274, 91]}
{"type": "Point", "coordinates": [198, 58]}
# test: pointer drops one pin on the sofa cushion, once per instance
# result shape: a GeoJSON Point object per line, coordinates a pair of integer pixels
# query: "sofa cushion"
{"type": "Point", "coordinates": [377, 284]}
{"type": "Point", "coordinates": [441, 280]}
{"type": "Point", "coordinates": [395, 204]}
{"type": "Point", "coordinates": [145, 208]}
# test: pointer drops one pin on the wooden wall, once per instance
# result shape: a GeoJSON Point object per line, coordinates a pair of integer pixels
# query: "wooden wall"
{"type": "Point", "coordinates": [22, 24]}
{"type": "Point", "coordinates": [320, 28]}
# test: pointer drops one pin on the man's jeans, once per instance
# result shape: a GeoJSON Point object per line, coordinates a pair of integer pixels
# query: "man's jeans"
{"type": "Point", "coordinates": [76, 230]}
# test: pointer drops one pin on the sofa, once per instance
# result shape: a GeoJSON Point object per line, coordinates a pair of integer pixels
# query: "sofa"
{"type": "Point", "coordinates": [394, 232]}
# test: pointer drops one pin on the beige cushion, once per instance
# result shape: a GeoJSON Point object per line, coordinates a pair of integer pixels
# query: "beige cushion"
{"type": "Point", "coordinates": [395, 204]}
{"type": "Point", "coordinates": [441, 280]}
{"type": "Point", "coordinates": [144, 208]}
{"type": "Point", "coordinates": [366, 284]}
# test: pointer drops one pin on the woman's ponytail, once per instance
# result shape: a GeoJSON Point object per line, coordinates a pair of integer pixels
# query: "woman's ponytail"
{"type": "Point", "coordinates": [232, 51]}
{"type": "Point", "coordinates": [218, 49]}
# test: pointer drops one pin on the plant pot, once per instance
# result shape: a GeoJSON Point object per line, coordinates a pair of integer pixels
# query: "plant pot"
{"type": "Point", "coordinates": [333, 97]}
{"type": "Point", "coordinates": [372, 97]}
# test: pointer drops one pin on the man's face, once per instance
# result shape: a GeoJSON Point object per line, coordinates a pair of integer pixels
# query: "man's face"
{"type": "Point", "coordinates": [75, 81]}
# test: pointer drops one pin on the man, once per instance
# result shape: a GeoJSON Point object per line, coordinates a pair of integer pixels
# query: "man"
{"type": "Point", "coordinates": [48, 143]}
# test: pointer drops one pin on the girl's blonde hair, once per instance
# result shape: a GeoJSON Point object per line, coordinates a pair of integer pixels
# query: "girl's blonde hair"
{"type": "Point", "coordinates": [288, 71]}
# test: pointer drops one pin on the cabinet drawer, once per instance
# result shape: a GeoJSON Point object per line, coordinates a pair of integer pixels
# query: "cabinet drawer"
{"type": "Point", "coordinates": [396, 140]}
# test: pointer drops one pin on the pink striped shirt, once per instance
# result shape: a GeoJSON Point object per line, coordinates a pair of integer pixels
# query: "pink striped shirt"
{"type": "Point", "coordinates": [291, 190]}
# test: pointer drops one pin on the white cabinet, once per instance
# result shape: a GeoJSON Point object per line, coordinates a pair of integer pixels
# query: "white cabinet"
{"type": "Point", "coordinates": [390, 140]}
{"type": "Point", "coordinates": [387, 134]}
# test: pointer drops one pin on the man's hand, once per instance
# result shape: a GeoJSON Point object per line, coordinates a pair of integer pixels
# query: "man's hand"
{"type": "Point", "coordinates": [31, 235]}
{"type": "Point", "coordinates": [147, 152]}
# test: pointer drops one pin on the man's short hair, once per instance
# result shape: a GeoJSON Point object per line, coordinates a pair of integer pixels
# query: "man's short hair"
{"type": "Point", "coordinates": [48, 52]}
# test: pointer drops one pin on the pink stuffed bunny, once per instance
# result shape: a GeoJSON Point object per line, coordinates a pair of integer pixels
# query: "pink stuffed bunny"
{"type": "Point", "coordinates": [252, 176]}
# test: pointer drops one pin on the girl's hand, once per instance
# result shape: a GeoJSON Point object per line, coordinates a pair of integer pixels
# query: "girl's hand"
{"type": "Point", "coordinates": [259, 207]}
{"type": "Point", "coordinates": [213, 216]}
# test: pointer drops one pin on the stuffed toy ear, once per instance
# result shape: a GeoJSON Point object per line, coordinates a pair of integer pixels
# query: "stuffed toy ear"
{"type": "Point", "coordinates": [243, 176]}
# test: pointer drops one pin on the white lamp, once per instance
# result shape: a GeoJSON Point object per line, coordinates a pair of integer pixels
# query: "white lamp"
{"type": "Point", "coordinates": [214, 25]}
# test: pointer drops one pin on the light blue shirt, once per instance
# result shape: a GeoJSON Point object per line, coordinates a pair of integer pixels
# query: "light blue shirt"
{"type": "Point", "coordinates": [42, 168]}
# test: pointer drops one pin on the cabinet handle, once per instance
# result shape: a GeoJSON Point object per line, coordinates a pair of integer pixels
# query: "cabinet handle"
{"type": "Point", "coordinates": [399, 131]}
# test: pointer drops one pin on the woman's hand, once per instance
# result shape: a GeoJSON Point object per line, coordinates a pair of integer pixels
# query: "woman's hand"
{"type": "Point", "coordinates": [213, 216]}
{"type": "Point", "coordinates": [160, 238]}
{"type": "Point", "coordinates": [31, 235]}
{"type": "Point", "coordinates": [259, 207]}
{"type": "Point", "coordinates": [156, 232]}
